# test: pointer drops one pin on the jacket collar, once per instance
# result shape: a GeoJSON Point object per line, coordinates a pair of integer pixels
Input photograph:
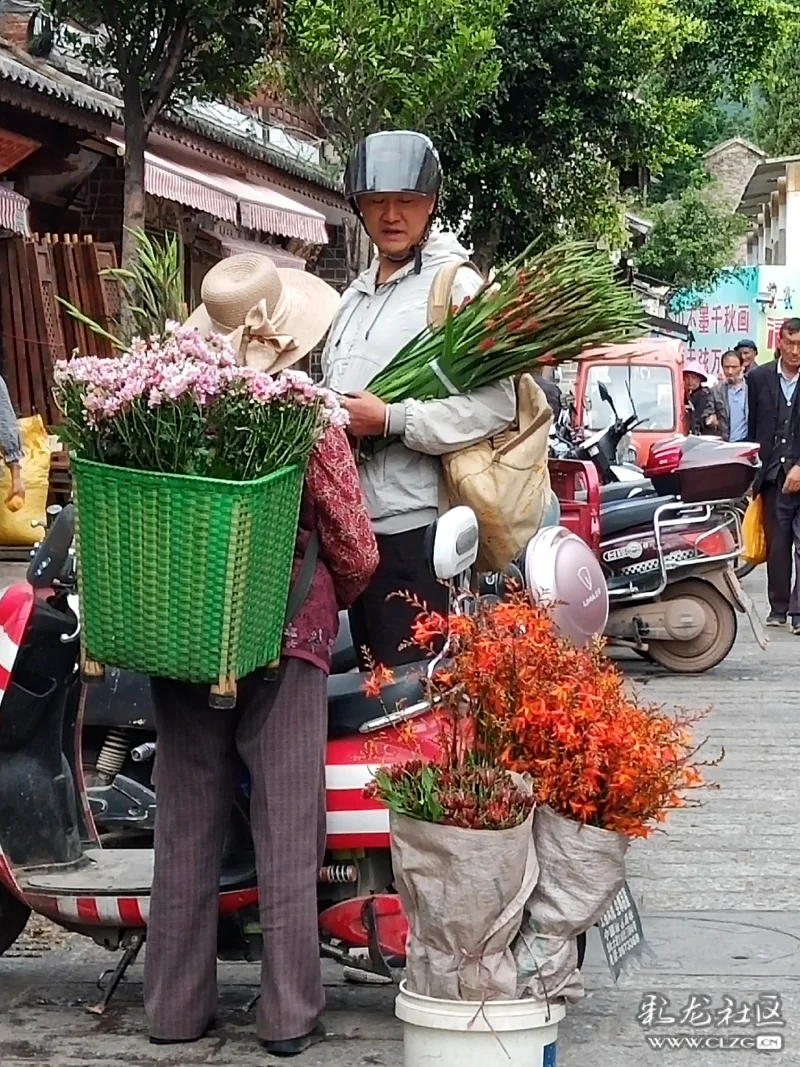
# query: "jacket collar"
{"type": "Point", "coordinates": [368, 281]}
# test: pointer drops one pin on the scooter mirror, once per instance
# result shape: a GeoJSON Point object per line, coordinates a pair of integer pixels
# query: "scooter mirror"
{"type": "Point", "coordinates": [51, 556]}
{"type": "Point", "coordinates": [454, 543]}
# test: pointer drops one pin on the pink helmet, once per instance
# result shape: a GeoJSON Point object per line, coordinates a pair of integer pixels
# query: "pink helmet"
{"type": "Point", "coordinates": [694, 366]}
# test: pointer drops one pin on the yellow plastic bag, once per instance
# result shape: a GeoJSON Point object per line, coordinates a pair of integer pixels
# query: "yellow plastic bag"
{"type": "Point", "coordinates": [15, 526]}
{"type": "Point", "coordinates": [754, 538]}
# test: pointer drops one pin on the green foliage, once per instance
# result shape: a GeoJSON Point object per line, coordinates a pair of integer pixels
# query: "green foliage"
{"type": "Point", "coordinates": [153, 286]}
{"type": "Point", "coordinates": [590, 88]}
{"type": "Point", "coordinates": [709, 127]}
{"type": "Point", "coordinates": [366, 65]}
{"type": "Point", "coordinates": [692, 243]}
{"type": "Point", "coordinates": [777, 120]}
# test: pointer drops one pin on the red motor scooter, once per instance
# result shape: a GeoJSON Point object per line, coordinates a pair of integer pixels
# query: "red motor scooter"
{"type": "Point", "coordinates": [52, 860]}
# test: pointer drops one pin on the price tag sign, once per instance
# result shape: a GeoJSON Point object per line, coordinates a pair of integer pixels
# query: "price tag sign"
{"type": "Point", "coordinates": [621, 931]}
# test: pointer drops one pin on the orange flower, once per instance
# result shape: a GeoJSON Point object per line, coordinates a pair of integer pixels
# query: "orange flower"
{"type": "Point", "coordinates": [377, 679]}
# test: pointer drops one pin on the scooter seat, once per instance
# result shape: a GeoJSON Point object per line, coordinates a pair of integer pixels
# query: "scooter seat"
{"type": "Point", "coordinates": [621, 491]}
{"type": "Point", "coordinates": [349, 707]}
{"type": "Point", "coordinates": [622, 515]}
{"type": "Point", "coordinates": [115, 872]}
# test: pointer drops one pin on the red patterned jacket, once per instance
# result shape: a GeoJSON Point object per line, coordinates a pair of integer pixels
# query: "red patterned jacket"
{"type": "Point", "coordinates": [348, 553]}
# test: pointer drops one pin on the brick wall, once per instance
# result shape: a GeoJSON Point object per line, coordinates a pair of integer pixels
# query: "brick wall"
{"type": "Point", "coordinates": [732, 166]}
{"type": "Point", "coordinates": [331, 263]}
{"type": "Point", "coordinates": [101, 213]}
{"type": "Point", "coordinates": [14, 26]}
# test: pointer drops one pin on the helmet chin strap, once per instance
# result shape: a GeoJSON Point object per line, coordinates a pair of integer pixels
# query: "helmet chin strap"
{"type": "Point", "coordinates": [414, 252]}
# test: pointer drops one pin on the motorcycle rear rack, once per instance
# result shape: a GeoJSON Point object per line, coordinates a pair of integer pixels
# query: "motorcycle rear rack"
{"type": "Point", "coordinates": [685, 515]}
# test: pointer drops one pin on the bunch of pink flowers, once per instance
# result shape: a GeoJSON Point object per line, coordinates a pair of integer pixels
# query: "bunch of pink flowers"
{"type": "Point", "coordinates": [179, 403]}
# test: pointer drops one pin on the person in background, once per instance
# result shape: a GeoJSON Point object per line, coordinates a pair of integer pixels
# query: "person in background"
{"type": "Point", "coordinates": [774, 422]}
{"type": "Point", "coordinates": [11, 445]}
{"type": "Point", "coordinates": [749, 353]}
{"type": "Point", "coordinates": [699, 400]}
{"type": "Point", "coordinates": [393, 180]}
{"type": "Point", "coordinates": [552, 392]}
{"type": "Point", "coordinates": [730, 398]}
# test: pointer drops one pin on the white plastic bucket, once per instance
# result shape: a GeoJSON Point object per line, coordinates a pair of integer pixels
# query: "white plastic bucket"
{"type": "Point", "coordinates": [457, 1033]}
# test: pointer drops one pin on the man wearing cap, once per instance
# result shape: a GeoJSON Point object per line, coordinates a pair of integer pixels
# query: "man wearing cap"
{"type": "Point", "coordinates": [393, 181]}
{"type": "Point", "coordinates": [748, 350]}
{"type": "Point", "coordinates": [774, 422]}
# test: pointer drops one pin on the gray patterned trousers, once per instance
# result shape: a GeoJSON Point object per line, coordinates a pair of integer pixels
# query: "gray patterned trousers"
{"type": "Point", "coordinates": [279, 730]}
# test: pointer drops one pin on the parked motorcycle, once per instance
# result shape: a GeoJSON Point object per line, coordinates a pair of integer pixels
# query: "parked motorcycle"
{"type": "Point", "coordinates": [669, 558]}
{"type": "Point", "coordinates": [52, 859]}
{"type": "Point", "coordinates": [670, 542]}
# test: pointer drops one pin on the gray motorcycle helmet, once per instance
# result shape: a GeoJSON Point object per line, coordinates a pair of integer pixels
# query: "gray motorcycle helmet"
{"type": "Point", "coordinates": [396, 161]}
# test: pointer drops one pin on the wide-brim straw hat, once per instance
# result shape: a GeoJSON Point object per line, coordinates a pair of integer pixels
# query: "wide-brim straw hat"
{"type": "Point", "coordinates": [272, 317]}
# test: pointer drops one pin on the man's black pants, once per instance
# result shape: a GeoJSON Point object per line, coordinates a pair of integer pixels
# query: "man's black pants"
{"type": "Point", "coordinates": [381, 620]}
{"type": "Point", "coordinates": [782, 528]}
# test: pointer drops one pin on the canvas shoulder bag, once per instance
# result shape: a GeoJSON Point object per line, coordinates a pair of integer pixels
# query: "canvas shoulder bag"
{"type": "Point", "coordinates": [504, 479]}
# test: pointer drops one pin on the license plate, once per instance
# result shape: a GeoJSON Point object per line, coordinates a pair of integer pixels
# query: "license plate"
{"type": "Point", "coordinates": [748, 607]}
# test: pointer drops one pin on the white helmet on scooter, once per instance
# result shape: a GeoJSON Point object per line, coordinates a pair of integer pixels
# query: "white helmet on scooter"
{"type": "Point", "coordinates": [563, 574]}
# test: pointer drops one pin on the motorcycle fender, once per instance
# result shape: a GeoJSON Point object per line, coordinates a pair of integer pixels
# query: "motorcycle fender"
{"type": "Point", "coordinates": [660, 620]}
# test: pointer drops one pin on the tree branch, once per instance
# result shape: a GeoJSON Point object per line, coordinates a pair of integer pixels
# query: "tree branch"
{"type": "Point", "coordinates": [118, 38]}
{"type": "Point", "coordinates": [166, 73]}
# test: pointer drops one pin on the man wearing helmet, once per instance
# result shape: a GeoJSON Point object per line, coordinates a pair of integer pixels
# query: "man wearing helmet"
{"type": "Point", "coordinates": [393, 181]}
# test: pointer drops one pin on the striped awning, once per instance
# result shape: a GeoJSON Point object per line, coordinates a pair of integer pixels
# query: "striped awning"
{"type": "Point", "coordinates": [14, 208]}
{"type": "Point", "coordinates": [185, 185]}
{"type": "Point", "coordinates": [255, 207]}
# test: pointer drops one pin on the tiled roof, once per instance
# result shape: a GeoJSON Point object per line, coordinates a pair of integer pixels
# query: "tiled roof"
{"type": "Point", "coordinates": [18, 67]}
{"type": "Point", "coordinates": [22, 69]}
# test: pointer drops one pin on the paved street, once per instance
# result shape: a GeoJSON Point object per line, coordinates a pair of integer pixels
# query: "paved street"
{"type": "Point", "coordinates": [719, 897]}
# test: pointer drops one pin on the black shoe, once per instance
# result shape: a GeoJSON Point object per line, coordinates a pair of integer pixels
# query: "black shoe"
{"type": "Point", "coordinates": [184, 1040]}
{"type": "Point", "coordinates": [796, 625]}
{"type": "Point", "coordinates": [295, 1045]}
{"type": "Point", "coordinates": [776, 618]}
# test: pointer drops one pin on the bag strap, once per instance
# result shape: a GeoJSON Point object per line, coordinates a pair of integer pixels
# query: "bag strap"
{"type": "Point", "coordinates": [302, 585]}
{"type": "Point", "coordinates": [441, 293]}
{"type": "Point", "coordinates": [533, 412]}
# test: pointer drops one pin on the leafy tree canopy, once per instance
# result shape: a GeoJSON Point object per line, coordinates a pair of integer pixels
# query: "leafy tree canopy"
{"type": "Point", "coordinates": [366, 65]}
{"type": "Point", "coordinates": [692, 242]}
{"type": "Point", "coordinates": [590, 88]}
{"type": "Point", "coordinates": [777, 119]}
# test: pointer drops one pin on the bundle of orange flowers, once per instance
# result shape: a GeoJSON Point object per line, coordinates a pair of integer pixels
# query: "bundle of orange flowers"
{"type": "Point", "coordinates": [540, 706]}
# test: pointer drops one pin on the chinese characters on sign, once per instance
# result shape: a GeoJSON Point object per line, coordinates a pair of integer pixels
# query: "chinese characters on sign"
{"type": "Point", "coordinates": [621, 931]}
{"type": "Point", "coordinates": [717, 328]}
{"type": "Point", "coordinates": [699, 1012]}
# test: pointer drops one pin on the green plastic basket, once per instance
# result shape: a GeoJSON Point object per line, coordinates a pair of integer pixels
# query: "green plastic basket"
{"type": "Point", "coordinates": [184, 577]}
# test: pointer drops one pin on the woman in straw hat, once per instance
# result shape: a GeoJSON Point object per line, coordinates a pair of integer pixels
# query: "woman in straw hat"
{"type": "Point", "coordinates": [274, 318]}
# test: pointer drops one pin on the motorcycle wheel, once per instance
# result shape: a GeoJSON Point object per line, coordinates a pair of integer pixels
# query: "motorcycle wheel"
{"type": "Point", "coordinates": [581, 949]}
{"type": "Point", "coordinates": [14, 916]}
{"type": "Point", "coordinates": [712, 645]}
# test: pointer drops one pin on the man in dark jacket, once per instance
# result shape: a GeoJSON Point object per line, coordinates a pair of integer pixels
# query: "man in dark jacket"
{"type": "Point", "coordinates": [774, 422]}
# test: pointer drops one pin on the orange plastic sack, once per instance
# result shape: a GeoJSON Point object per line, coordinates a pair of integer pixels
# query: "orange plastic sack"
{"type": "Point", "coordinates": [754, 538]}
{"type": "Point", "coordinates": [15, 521]}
